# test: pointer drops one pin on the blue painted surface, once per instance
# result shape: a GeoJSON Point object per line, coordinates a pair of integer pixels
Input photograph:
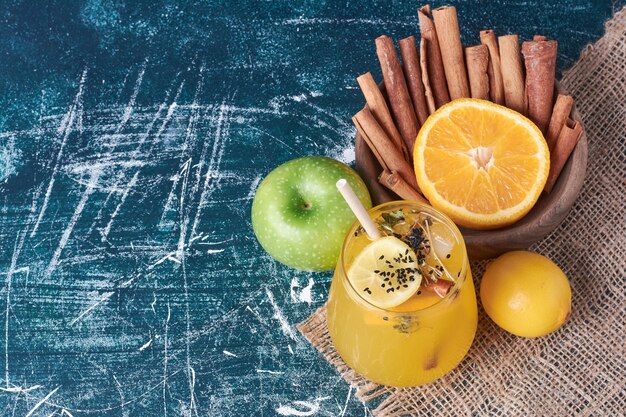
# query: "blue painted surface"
{"type": "Point", "coordinates": [132, 138]}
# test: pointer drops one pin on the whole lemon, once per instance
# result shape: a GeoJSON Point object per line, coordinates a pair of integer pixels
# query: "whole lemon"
{"type": "Point", "coordinates": [526, 294]}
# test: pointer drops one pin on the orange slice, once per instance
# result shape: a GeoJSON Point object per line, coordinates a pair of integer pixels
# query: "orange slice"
{"type": "Point", "coordinates": [482, 164]}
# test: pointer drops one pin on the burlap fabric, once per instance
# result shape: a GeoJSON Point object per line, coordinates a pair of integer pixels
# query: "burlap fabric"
{"type": "Point", "coordinates": [579, 370]}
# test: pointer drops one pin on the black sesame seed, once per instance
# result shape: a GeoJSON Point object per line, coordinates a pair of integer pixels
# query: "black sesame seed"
{"type": "Point", "coordinates": [382, 257]}
{"type": "Point", "coordinates": [448, 256]}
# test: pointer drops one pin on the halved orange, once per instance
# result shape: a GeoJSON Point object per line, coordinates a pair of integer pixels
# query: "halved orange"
{"type": "Point", "coordinates": [482, 164]}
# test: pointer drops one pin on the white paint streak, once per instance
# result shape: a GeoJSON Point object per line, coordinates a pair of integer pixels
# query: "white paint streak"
{"type": "Point", "coordinates": [274, 137]}
{"type": "Point", "coordinates": [145, 345]}
{"type": "Point", "coordinates": [103, 163]}
{"type": "Point", "coordinates": [265, 371]}
{"type": "Point", "coordinates": [253, 187]}
{"type": "Point", "coordinates": [131, 184]}
{"type": "Point", "coordinates": [192, 389]}
{"type": "Point", "coordinates": [70, 226]}
{"type": "Point", "coordinates": [214, 163]}
{"type": "Point", "coordinates": [128, 111]}
{"type": "Point", "coordinates": [227, 353]}
{"type": "Point", "coordinates": [185, 223]}
{"type": "Point", "coordinates": [213, 243]}
{"type": "Point", "coordinates": [6, 324]}
{"type": "Point", "coordinates": [330, 21]}
{"type": "Point", "coordinates": [137, 150]}
{"type": "Point", "coordinates": [345, 405]}
{"type": "Point", "coordinates": [278, 315]}
{"type": "Point", "coordinates": [170, 112]}
{"type": "Point", "coordinates": [17, 249]}
{"type": "Point", "coordinates": [174, 259]}
{"type": "Point", "coordinates": [122, 400]}
{"type": "Point", "coordinates": [301, 408]}
{"type": "Point", "coordinates": [211, 251]}
{"type": "Point", "coordinates": [305, 294]}
{"type": "Point", "coordinates": [144, 137]}
{"type": "Point", "coordinates": [20, 389]}
{"type": "Point", "coordinates": [165, 359]}
{"type": "Point", "coordinates": [168, 257]}
{"type": "Point", "coordinates": [256, 314]}
{"type": "Point", "coordinates": [163, 223]}
{"type": "Point", "coordinates": [191, 374]}
{"type": "Point", "coordinates": [292, 289]}
{"type": "Point", "coordinates": [66, 127]}
{"type": "Point", "coordinates": [105, 296]}
{"type": "Point", "coordinates": [43, 400]}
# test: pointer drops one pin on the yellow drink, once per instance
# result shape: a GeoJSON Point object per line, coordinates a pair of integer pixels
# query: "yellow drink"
{"type": "Point", "coordinates": [426, 336]}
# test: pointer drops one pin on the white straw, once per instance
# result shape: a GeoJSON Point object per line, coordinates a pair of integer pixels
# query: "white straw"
{"type": "Point", "coordinates": [358, 209]}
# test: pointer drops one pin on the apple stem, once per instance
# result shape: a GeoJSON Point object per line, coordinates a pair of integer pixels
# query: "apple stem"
{"type": "Point", "coordinates": [357, 208]}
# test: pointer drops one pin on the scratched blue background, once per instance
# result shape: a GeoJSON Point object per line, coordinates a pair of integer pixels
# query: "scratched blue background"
{"type": "Point", "coordinates": [132, 138]}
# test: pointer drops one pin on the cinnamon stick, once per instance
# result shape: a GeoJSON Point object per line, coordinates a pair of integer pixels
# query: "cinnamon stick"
{"type": "Point", "coordinates": [477, 60]}
{"type": "Point", "coordinates": [395, 183]}
{"type": "Point", "coordinates": [388, 155]}
{"type": "Point", "coordinates": [512, 72]}
{"type": "Point", "coordinates": [432, 62]}
{"type": "Point", "coordinates": [441, 287]}
{"type": "Point", "coordinates": [413, 76]}
{"type": "Point", "coordinates": [565, 144]}
{"type": "Point", "coordinates": [540, 62]}
{"type": "Point", "coordinates": [397, 91]}
{"type": "Point", "coordinates": [447, 24]}
{"type": "Point", "coordinates": [496, 87]}
{"type": "Point", "coordinates": [428, 92]}
{"type": "Point", "coordinates": [378, 106]}
{"type": "Point", "coordinates": [560, 113]}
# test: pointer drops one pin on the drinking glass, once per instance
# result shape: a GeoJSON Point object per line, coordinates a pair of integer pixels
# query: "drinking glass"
{"type": "Point", "coordinates": [423, 338]}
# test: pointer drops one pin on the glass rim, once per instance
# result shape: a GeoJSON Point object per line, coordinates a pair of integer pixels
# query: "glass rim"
{"type": "Point", "coordinates": [454, 290]}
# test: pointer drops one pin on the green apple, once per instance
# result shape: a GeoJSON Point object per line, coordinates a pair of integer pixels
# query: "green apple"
{"type": "Point", "coordinates": [299, 216]}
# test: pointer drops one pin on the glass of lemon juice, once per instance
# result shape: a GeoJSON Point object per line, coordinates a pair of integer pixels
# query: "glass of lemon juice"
{"type": "Point", "coordinates": [402, 308]}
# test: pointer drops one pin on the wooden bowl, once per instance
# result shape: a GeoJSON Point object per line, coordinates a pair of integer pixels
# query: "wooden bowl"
{"type": "Point", "coordinates": [544, 217]}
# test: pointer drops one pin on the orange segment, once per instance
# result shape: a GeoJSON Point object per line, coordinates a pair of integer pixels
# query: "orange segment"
{"type": "Point", "coordinates": [482, 164]}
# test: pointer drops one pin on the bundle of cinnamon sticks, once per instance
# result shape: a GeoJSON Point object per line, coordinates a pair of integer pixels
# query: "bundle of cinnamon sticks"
{"type": "Point", "coordinates": [443, 70]}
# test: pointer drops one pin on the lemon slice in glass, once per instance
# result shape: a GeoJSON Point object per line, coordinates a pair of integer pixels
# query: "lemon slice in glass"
{"type": "Point", "coordinates": [385, 273]}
